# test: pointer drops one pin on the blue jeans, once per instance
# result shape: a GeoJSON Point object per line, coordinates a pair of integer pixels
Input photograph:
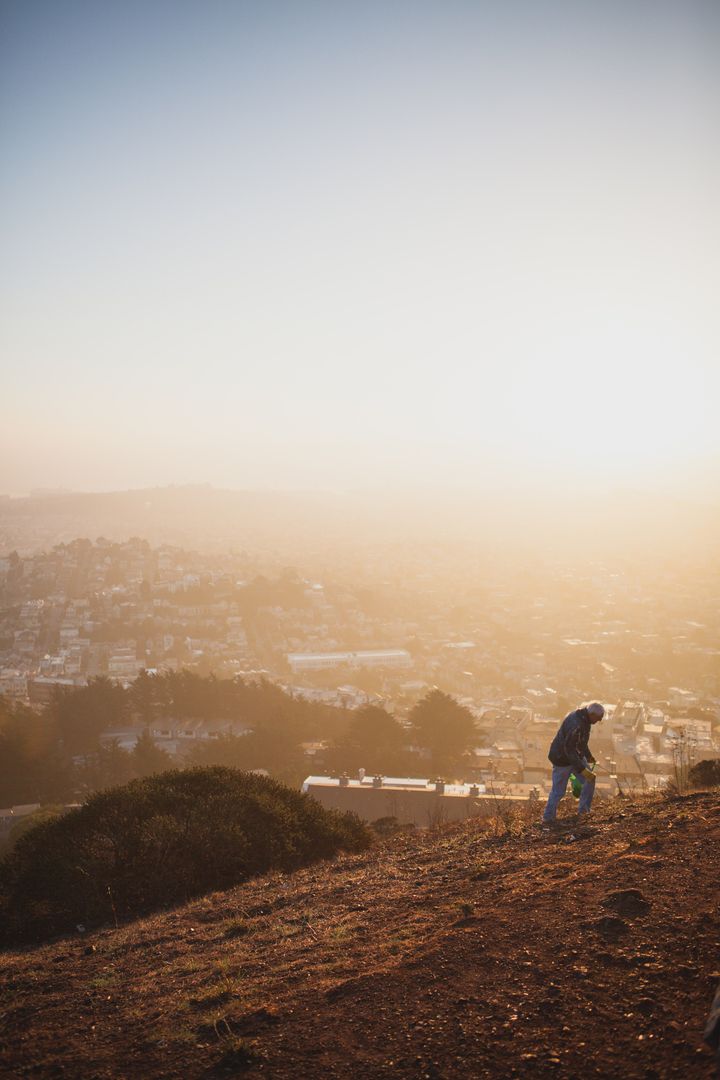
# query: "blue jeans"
{"type": "Point", "coordinates": [560, 777]}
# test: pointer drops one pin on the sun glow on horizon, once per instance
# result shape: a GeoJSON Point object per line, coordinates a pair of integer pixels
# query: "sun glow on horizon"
{"type": "Point", "coordinates": [459, 245]}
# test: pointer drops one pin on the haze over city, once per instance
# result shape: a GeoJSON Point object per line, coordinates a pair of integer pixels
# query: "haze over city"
{"type": "Point", "coordinates": [359, 533]}
{"type": "Point", "coordinates": [376, 246]}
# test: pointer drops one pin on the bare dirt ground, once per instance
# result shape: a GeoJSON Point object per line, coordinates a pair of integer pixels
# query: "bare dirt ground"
{"type": "Point", "coordinates": [456, 953]}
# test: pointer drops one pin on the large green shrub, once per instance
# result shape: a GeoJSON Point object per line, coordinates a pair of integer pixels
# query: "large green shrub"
{"type": "Point", "coordinates": [160, 841]}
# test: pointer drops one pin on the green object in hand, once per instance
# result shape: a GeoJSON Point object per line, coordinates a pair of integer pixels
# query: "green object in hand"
{"type": "Point", "coordinates": [576, 785]}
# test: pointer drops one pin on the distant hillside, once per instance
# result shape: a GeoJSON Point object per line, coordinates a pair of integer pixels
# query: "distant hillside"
{"type": "Point", "coordinates": [471, 952]}
{"type": "Point", "coordinates": [294, 524]}
{"type": "Point", "coordinates": [194, 516]}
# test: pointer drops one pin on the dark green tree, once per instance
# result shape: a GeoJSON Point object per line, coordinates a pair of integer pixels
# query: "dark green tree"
{"type": "Point", "coordinates": [273, 745]}
{"type": "Point", "coordinates": [107, 767]}
{"type": "Point", "coordinates": [32, 766]}
{"type": "Point", "coordinates": [233, 751]}
{"type": "Point", "coordinates": [144, 697]}
{"type": "Point", "coordinates": [374, 741]}
{"type": "Point", "coordinates": [81, 715]}
{"type": "Point", "coordinates": [147, 758]}
{"type": "Point", "coordinates": [443, 727]}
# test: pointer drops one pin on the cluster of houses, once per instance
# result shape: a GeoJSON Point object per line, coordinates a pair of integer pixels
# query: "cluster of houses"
{"type": "Point", "coordinates": [86, 609]}
{"type": "Point", "coordinates": [640, 746]}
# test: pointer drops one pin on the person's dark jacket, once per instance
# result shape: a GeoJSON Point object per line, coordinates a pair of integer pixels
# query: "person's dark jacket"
{"type": "Point", "coordinates": [570, 745]}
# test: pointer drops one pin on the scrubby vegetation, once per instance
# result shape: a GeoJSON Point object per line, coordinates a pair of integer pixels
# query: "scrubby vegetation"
{"type": "Point", "coordinates": [160, 841]}
{"type": "Point", "coordinates": [458, 946]}
{"type": "Point", "coordinates": [705, 774]}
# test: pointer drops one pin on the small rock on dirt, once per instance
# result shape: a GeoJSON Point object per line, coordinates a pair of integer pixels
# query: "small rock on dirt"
{"type": "Point", "coordinates": [611, 927]}
{"type": "Point", "coordinates": [627, 902]}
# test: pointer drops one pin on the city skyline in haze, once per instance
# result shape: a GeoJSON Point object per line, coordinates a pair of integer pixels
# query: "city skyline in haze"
{"type": "Point", "coordinates": [314, 246]}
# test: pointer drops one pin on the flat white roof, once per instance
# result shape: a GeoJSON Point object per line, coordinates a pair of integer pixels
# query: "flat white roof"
{"type": "Point", "coordinates": [347, 652]}
{"type": "Point", "coordinates": [395, 783]}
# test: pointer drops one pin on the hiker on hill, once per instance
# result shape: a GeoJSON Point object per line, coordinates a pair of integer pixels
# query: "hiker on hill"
{"type": "Point", "coordinates": [570, 753]}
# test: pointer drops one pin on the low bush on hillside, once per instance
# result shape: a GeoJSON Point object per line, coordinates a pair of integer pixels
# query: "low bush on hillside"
{"type": "Point", "coordinates": [389, 826]}
{"type": "Point", "coordinates": [705, 774]}
{"type": "Point", "coordinates": [160, 841]}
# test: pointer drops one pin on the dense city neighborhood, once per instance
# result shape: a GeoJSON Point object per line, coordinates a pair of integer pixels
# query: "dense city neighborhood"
{"type": "Point", "coordinates": [517, 654]}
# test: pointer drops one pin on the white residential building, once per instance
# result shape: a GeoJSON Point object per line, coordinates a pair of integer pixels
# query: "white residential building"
{"type": "Point", "coordinates": [377, 658]}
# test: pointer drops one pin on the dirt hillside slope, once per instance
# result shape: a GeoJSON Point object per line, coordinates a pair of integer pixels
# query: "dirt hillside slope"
{"type": "Point", "coordinates": [450, 954]}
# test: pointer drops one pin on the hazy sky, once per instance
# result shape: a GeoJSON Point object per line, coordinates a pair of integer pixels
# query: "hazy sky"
{"type": "Point", "coordinates": [333, 244]}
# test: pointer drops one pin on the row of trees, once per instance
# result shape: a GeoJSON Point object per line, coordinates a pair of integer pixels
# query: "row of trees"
{"type": "Point", "coordinates": [435, 737]}
{"type": "Point", "coordinates": [36, 767]}
{"type": "Point", "coordinates": [58, 755]}
{"type": "Point", "coordinates": [438, 733]}
{"type": "Point", "coordinates": [82, 714]}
